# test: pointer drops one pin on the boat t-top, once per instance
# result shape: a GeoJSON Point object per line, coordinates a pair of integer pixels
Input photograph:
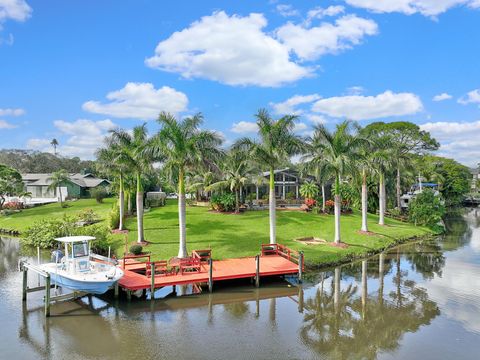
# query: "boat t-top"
{"type": "Point", "coordinates": [81, 270]}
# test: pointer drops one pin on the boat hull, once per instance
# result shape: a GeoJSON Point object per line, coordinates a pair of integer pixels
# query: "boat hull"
{"type": "Point", "coordinates": [93, 287]}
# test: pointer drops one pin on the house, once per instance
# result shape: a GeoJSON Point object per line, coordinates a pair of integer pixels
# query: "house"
{"type": "Point", "coordinates": [77, 186]}
{"type": "Point", "coordinates": [475, 178]}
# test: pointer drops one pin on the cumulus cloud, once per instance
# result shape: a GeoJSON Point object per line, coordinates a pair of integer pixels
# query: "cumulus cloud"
{"type": "Point", "coordinates": [289, 106]}
{"type": "Point", "coordinates": [17, 10]}
{"type": "Point", "coordinates": [458, 140]}
{"type": "Point", "coordinates": [316, 119]}
{"type": "Point", "coordinates": [244, 127]}
{"type": "Point", "coordinates": [232, 50]}
{"type": "Point", "coordinates": [6, 125]}
{"type": "Point", "coordinates": [442, 97]}
{"type": "Point", "coordinates": [319, 12]}
{"type": "Point", "coordinates": [357, 107]}
{"type": "Point", "coordinates": [12, 112]}
{"type": "Point", "coordinates": [79, 138]}
{"type": "Point", "coordinates": [409, 7]}
{"type": "Point", "coordinates": [139, 101]}
{"type": "Point", "coordinates": [473, 97]}
{"type": "Point", "coordinates": [287, 10]}
{"type": "Point", "coordinates": [310, 43]}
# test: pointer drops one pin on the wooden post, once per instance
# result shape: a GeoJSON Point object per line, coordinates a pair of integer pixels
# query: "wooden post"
{"type": "Point", "coordinates": [300, 266]}
{"type": "Point", "coordinates": [129, 295]}
{"type": "Point", "coordinates": [210, 275]}
{"type": "Point", "coordinates": [47, 296]}
{"type": "Point", "coordinates": [25, 282]}
{"type": "Point", "coordinates": [152, 286]}
{"type": "Point", "coordinates": [257, 271]}
{"type": "Point", "coordinates": [116, 292]}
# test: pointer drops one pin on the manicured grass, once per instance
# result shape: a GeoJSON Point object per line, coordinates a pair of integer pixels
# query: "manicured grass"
{"type": "Point", "coordinates": [22, 220]}
{"type": "Point", "coordinates": [231, 235]}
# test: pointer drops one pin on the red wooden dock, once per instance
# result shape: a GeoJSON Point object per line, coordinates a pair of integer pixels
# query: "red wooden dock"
{"type": "Point", "coordinates": [275, 260]}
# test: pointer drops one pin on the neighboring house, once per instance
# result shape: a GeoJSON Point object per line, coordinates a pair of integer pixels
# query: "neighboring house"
{"type": "Point", "coordinates": [78, 186]}
{"type": "Point", "coordinates": [475, 178]}
{"type": "Point", "coordinates": [287, 181]}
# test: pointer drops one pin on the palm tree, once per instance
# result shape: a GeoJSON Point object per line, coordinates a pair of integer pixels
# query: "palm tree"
{"type": "Point", "coordinates": [341, 151]}
{"type": "Point", "coordinates": [275, 145]}
{"type": "Point", "coordinates": [236, 171]}
{"type": "Point", "coordinates": [56, 180]}
{"type": "Point", "coordinates": [113, 160]}
{"type": "Point", "coordinates": [54, 143]}
{"type": "Point", "coordinates": [185, 147]}
{"type": "Point", "coordinates": [135, 154]}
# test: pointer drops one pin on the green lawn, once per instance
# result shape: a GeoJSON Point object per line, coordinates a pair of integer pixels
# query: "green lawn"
{"type": "Point", "coordinates": [232, 235]}
{"type": "Point", "coordinates": [22, 220]}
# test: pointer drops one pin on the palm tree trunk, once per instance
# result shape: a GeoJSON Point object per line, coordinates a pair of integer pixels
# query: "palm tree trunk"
{"type": "Point", "coordinates": [121, 203]}
{"type": "Point", "coordinates": [271, 204]}
{"type": "Point", "coordinates": [336, 288]}
{"type": "Point", "coordinates": [381, 200]}
{"type": "Point", "coordinates": [182, 250]}
{"type": "Point", "coordinates": [129, 203]}
{"type": "Point", "coordinates": [323, 198]}
{"type": "Point", "coordinates": [141, 237]}
{"type": "Point", "coordinates": [399, 190]}
{"type": "Point", "coordinates": [60, 193]}
{"type": "Point", "coordinates": [364, 202]}
{"type": "Point", "coordinates": [237, 202]}
{"type": "Point", "coordinates": [337, 210]}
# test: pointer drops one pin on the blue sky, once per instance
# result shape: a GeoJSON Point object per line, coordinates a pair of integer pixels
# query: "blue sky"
{"type": "Point", "coordinates": [74, 69]}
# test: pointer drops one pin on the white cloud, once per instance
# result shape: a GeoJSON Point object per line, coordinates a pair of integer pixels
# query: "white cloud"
{"type": "Point", "coordinates": [355, 90]}
{"type": "Point", "coordinates": [287, 10]}
{"type": "Point", "coordinates": [459, 140]}
{"type": "Point", "coordinates": [319, 12]}
{"type": "Point", "coordinates": [409, 7]}
{"type": "Point", "coordinates": [473, 97]}
{"type": "Point", "coordinates": [288, 106]}
{"type": "Point", "coordinates": [232, 50]}
{"type": "Point", "coordinates": [310, 43]}
{"type": "Point", "coordinates": [6, 125]}
{"type": "Point", "coordinates": [300, 127]}
{"type": "Point", "coordinates": [17, 10]}
{"type": "Point", "coordinates": [316, 119]}
{"type": "Point", "coordinates": [442, 97]}
{"type": "Point", "coordinates": [139, 101]}
{"type": "Point", "coordinates": [357, 107]}
{"type": "Point", "coordinates": [11, 112]}
{"type": "Point", "coordinates": [78, 138]}
{"type": "Point", "coordinates": [244, 127]}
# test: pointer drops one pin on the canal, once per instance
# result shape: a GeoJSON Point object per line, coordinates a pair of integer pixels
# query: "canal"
{"type": "Point", "coordinates": [418, 301]}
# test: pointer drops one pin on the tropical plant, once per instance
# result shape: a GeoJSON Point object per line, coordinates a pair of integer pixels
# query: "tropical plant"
{"type": "Point", "coordinates": [341, 151]}
{"type": "Point", "coordinates": [10, 183]}
{"type": "Point", "coordinates": [185, 146]}
{"type": "Point", "coordinates": [224, 202]}
{"type": "Point", "coordinates": [275, 145]}
{"type": "Point", "coordinates": [426, 208]}
{"type": "Point", "coordinates": [309, 190]}
{"type": "Point", "coordinates": [54, 143]}
{"type": "Point", "coordinates": [56, 180]}
{"type": "Point", "coordinates": [134, 150]}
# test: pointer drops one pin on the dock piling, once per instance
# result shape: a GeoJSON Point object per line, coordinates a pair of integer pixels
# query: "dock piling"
{"type": "Point", "coordinates": [257, 271]}
{"type": "Point", "coordinates": [116, 290]}
{"type": "Point", "coordinates": [25, 282]}
{"type": "Point", "coordinates": [152, 286]}
{"type": "Point", "coordinates": [210, 275]}
{"type": "Point", "coordinates": [300, 266]}
{"type": "Point", "coordinates": [47, 295]}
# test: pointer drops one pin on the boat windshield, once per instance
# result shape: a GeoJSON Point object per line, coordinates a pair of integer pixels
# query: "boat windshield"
{"type": "Point", "coordinates": [80, 249]}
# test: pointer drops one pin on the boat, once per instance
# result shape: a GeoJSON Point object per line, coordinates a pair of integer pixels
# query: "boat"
{"type": "Point", "coordinates": [416, 189]}
{"type": "Point", "coordinates": [79, 269]}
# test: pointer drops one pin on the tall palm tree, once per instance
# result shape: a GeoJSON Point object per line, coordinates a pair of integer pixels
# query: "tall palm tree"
{"type": "Point", "coordinates": [185, 147]}
{"type": "Point", "coordinates": [56, 180]}
{"type": "Point", "coordinates": [341, 151]}
{"type": "Point", "coordinates": [275, 145]}
{"type": "Point", "coordinates": [135, 150]}
{"type": "Point", "coordinates": [236, 171]}
{"type": "Point", "coordinates": [54, 143]}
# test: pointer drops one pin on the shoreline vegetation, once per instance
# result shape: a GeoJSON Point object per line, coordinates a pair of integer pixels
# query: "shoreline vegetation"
{"type": "Point", "coordinates": [239, 235]}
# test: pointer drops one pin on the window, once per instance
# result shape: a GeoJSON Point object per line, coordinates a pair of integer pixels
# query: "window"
{"type": "Point", "coordinates": [80, 249]}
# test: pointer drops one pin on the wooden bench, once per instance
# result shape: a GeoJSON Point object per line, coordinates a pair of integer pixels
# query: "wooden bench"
{"type": "Point", "coordinates": [190, 264]}
{"type": "Point", "coordinates": [203, 255]}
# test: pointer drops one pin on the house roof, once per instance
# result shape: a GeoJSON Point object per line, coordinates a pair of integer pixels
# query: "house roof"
{"type": "Point", "coordinates": [85, 181]}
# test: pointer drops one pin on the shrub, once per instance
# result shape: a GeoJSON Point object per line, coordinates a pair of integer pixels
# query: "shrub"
{"type": "Point", "coordinates": [114, 217]}
{"type": "Point", "coordinates": [329, 206]}
{"type": "Point", "coordinates": [310, 203]}
{"type": "Point", "coordinates": [99, 193]}
{"type": "Point", "coordinates": [224, 202]}
{"type": "Point", "coordinates": [426, 209]}
{"type": "Point", "coordinates": [290, 195]}
{"type": "Point", "coordinates": [88, 216]}
{"type": "Point", "coordinates": [136, 249]}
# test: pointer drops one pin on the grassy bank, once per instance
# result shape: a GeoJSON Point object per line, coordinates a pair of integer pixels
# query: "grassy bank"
{"type": "Point", "coordinates": [231, 235]}
{"type": "Point", "coordinates": [22, 220]}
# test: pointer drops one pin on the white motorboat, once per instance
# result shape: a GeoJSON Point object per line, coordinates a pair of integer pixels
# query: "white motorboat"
{"type": "Point", "coordinates": [81, 270]}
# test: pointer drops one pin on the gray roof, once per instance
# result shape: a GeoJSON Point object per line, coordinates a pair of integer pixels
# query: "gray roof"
{"type": "Point", "coordinates": [85, 181]}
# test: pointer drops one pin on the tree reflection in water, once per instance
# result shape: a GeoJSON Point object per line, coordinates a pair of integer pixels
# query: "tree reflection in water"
{"type": "Point", "coordinates": [350, 323]}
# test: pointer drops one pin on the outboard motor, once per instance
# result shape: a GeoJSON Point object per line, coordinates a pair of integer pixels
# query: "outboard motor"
{"type": "Point", "coordinates": [57, 256]}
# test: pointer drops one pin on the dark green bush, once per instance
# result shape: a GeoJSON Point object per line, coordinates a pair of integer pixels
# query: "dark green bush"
{"type": "Point", "coordinates": [87, 216]}
{"type": "Point", "coordinates": [224, 202]}
{"type": "Point", "coordinates": [136, 249]}
{"type": "Point", "coordinates": [114, 217]}
{"type": "Point", "coordinates": [99, 193]}
{"type": "Point", "coordinates": [426, 209]}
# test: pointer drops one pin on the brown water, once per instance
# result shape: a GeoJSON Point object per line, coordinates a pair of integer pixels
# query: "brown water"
{"type": "Point", "coordinates": [418, 301]}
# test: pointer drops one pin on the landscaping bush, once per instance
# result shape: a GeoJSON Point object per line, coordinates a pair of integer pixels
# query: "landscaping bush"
{"type": "Point", "coordinates": [426, 208]}
{"type": "Point", "coordinates": [329, 206]}
{"type": "Point", "coordinates": [114, 217]}
{"type": "Point", "coordinates": [224, 202]}
{"type": "Point", "coordinates": [136, 249]}
{"type": "Point", "coordinates": [87, 216]}
{"type": "Point", "coordinates": [290, 195]}
{"type": "Point", "coordinates": [98, 193]}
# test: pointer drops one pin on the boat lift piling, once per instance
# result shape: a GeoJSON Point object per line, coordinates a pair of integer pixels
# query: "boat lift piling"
{"type": "Point", "coordinates": [24, 267]}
